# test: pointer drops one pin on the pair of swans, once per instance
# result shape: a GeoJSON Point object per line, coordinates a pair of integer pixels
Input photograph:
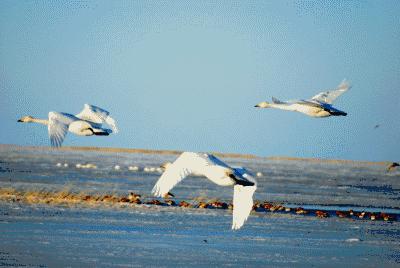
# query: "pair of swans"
{"type": "Point", "coordinates": [89, 122]}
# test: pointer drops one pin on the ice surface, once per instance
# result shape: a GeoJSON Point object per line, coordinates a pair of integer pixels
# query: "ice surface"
{"type": "Point", "coordinates": [57, 236]}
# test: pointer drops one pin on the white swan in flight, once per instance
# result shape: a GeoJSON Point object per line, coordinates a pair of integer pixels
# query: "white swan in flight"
{"type": "Point", "coordinates": [87, 123]}
{"type": "Point", "coordinates": [318, 106]}
{"type": "Point", "coordinates": [216, 171]}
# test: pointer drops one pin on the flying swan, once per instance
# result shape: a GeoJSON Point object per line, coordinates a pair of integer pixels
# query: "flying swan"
{"type": "Point", "coordinates": [216, 171]}
{"type": "Point", "coordinates": [87, 123]}
{"type": "Point", "coordinates": [318, 106]}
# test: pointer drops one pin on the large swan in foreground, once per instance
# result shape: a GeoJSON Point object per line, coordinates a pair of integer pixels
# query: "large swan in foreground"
{"type": "Point", "coordinates": [318, 106]}
{"type": "Point", "coordinates": [216, 171]}
{"type": "Point", "coordinates": [87, 123]}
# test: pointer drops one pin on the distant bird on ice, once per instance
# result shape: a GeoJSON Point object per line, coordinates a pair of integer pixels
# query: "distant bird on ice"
{"type": "Point", "coordinates": [392, 166]}
{"type": "Point", "coordinates": [318, 106]}
{"type": "Point", "coordinates": [216, 171]}
{"type": "Point", "coordinates": [87, 123]}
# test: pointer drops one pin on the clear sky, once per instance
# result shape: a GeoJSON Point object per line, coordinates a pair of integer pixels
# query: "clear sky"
{"type": "Point", "coordinates": [185, 75]}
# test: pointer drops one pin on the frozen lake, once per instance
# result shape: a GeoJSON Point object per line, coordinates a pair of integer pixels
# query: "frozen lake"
{"type": "Point", "coordinates": [40, 235]}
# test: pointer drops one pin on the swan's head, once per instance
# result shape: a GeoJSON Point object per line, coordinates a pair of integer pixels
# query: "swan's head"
{"type": "Point", "coordinates": [26, 119]}
{"type": "Point", "coordinates": [246, 179]}
{"type": "Point", "coordinates": [165, 165]}
{"type": "Point", "coordinates": [263, 104]}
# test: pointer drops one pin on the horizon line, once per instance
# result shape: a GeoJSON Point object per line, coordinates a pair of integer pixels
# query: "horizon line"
{"type": "Point", "coordinates": [177, 152]}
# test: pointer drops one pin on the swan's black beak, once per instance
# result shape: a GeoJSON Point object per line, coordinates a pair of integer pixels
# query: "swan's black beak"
{"type": "Point", "coordinates": [19, 120]}
{"type": "Point", "coordinates": [256, 105]}
{"type": "Point", "coordinates": [232, 176]}
{"type": "Point", "coordinates": [240, 182]}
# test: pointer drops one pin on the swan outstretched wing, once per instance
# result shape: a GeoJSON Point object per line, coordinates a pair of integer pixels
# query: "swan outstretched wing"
{"type": "Point", "coordinates": [97, 115]}
{"type": "Point", "coordinates": [311, 103]}
{"type": "Point", "coordinates": [58, 128]}
{"type": "Point", "coordinates": [330, 96]}
{"type": "Point", "coordinates": [242, 204]}
{"type": "Point", "coordinates": [186, 164]}
{"type": "Point", "coordinates": [212, 160]}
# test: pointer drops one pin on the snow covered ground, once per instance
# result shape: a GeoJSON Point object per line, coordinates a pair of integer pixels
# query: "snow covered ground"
{"type": "Point", "coordinates": [40, 235]}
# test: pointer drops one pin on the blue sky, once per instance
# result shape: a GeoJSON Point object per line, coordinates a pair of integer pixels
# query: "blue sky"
{"type": "Point", "coordinates": [185, 75]}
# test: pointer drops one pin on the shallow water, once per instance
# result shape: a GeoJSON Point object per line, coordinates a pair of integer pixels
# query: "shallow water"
{"type": "Point", "coordinates": [47, 235]}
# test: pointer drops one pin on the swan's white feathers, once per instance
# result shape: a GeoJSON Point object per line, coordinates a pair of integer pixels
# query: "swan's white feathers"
{"type": "Point", "coordinates": [331, 95]}
{"type": "Point", "coordinates": [86, 123]}
{"type": "Point", "coordinates": [188, 163]}
{"type": "Point", "coordinates": [310, 103]}
{"type": "Point", "coordinates": [97, 115]}
{"type": "Point", "coordinates": [58, 127]}
{"type": "Point", "coordinates": [212, 160]}
{"type": "Point", "coordinates": [111, 122]}
{"type": "Point", "coordinates": [242, 204]}
{"type": "Point", "coordinates": [318, 106]}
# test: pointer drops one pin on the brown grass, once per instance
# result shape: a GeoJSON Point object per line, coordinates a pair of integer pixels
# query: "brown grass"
{"type": "Point", "coordinates": [67, 198]}
{"type": "Point", "coordinates": [61, 197]}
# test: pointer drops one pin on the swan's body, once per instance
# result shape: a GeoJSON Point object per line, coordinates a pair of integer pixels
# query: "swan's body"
{"type": "Point", "coordinates": [318, 106]}
{"type": "Point", "coordinates": [216, 171]}
{"type": "Point", "coordinates": [87, 123]}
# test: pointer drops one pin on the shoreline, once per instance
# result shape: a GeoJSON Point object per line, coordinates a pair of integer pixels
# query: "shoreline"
{"type": "Point", "coordinates": [177, 152]}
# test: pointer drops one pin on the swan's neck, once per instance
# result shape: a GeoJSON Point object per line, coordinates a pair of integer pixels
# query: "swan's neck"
{"type": "Point", "coordinates": [40, 121]}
